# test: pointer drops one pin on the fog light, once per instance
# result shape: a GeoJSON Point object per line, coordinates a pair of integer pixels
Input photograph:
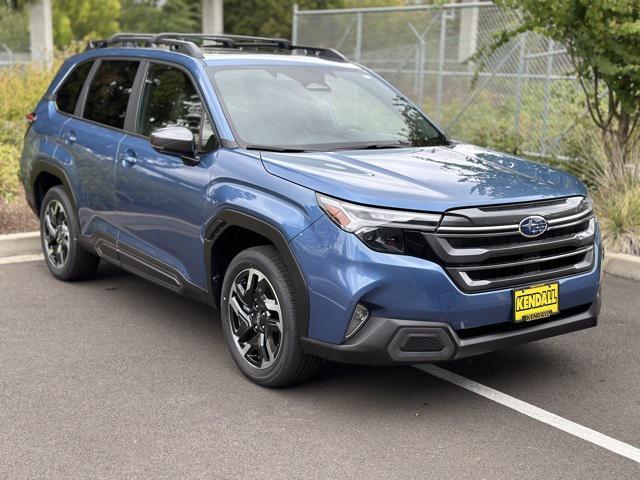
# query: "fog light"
{"type": "Point", "coordinates": [360, 315]}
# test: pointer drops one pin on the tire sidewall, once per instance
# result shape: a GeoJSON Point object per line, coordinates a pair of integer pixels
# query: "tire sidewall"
{"type": "Point", "coordinates": [58, 193]}
{"type": "Point", "coordinates": [255, 259]}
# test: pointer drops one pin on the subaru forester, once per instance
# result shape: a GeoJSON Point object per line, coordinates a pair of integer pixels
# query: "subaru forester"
{"type": "Point", "coordinates": [306, 198]}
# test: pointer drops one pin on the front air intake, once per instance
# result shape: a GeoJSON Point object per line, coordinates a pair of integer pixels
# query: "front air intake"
{"type": "Point", "coordinates": [422, 343]}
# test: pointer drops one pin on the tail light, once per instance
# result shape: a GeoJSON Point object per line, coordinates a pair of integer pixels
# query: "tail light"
{"type": "Point", "coordinates": [31, 117]}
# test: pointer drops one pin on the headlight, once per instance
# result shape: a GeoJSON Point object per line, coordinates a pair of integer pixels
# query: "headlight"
{"type": "Point", "coordinates": [379, 228]}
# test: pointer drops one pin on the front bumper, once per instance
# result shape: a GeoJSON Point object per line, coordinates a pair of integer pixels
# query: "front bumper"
{"type": "Point", "coordinates": [388, 341]}
{"type": "Point", "coordinates": [340, 272]}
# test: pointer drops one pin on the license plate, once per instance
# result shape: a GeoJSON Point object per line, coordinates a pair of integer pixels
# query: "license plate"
{"type": "Point", "coordinates": [534, 303]}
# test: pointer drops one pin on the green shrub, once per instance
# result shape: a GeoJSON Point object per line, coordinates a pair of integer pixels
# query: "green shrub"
{"type": "Point", "coordinates": [618, 210]}
{"type": "Point", "coordinates": [9, 158]}
{"type": "Point", "coordinates": [21, 86]}
{"type": "Point", "coordinates": [615, 189]}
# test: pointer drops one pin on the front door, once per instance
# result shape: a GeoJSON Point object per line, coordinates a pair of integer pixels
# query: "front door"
{"type": "Point", "coordinates": [161, 199]}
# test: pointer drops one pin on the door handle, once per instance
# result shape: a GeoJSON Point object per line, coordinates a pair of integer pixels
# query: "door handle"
{"type": "Point", "coordinates": [70, 137]}
{"type": "Point", "coordinates": [129, 158]}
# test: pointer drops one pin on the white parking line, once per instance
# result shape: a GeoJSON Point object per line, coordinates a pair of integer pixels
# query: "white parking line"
{"type": "Point", "coordinates": [585, 433]}
{"type": "Point", "coordinates": [20, 259]}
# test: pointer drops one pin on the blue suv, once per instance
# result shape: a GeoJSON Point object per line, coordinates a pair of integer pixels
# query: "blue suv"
{"type": "Point", "coordinates": [306, 198]}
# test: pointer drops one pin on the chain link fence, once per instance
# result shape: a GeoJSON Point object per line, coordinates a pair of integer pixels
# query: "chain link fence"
{"type": "Point", "coordinates": [524, 98]}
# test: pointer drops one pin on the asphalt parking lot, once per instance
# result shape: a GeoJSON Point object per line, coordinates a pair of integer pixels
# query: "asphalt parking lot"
{"type": "Point", "coordinates": [117, 378]}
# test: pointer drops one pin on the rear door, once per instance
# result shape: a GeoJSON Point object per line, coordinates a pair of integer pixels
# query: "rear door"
{"type": "Point", "coordinates": [161, 198]}
{"type": "Point", "coordinates": [43, 137]}
{"type": "Point", "coordinates": [92, 138]}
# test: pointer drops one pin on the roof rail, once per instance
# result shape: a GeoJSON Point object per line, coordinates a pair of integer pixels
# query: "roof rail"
{"type": "Point", "coordinates": [186, 43]}
{"type": "Point", "coordinates": [230, 41]}
{"type": "Point", "coordinates": [147, 40]}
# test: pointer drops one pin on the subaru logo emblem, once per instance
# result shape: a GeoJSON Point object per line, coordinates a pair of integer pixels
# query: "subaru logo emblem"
{"type": "Point", "coordinates": [533, 226]}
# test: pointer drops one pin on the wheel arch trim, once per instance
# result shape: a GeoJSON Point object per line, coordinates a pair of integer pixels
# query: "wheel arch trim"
{"type": "Point", "coordinates": [230, 217]}
{"type": "Point", "coordinates": [43, 166]}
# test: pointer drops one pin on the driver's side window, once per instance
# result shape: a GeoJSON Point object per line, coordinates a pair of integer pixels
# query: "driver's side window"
{"type": "Point", "coordinates": [169, 98]}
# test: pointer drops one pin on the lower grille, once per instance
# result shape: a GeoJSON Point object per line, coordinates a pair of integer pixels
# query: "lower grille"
{"type": "Point", "coordinates": [483, 249]}
{"type": "Point", "coordinates": [422, 343]}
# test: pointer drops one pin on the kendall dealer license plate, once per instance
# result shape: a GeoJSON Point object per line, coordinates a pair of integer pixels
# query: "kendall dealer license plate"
{"type": "Point", "coordinates": [534, 303]}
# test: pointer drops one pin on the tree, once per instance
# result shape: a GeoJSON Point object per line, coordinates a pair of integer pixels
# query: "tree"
{"type": "Point", "coordinates": [84, 19]}
{"type": "Point", "coordinates": [172, 16]}
{"type": "Point", "coordinates": [603, 39]}
{"type": "Point", "coordinates": [182, 16]}
{"type": "Point", "coordinates": [140, 16]}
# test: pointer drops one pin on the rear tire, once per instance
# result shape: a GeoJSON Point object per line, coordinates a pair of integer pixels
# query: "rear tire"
{"type": "Point", "coordinates": [262, 320]}
{"type": "Point", "coordinates": [59, 232]}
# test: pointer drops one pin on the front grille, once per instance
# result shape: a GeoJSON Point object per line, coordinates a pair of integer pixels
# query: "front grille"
{"type": "Point", "coordinates": [482, 248]}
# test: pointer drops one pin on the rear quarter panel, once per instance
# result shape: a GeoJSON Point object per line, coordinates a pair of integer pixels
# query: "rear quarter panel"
{"type": "Point", "coordinates": [41, 144]}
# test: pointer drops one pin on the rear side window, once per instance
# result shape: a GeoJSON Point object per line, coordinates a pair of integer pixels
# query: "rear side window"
{"type": "Point", "coordinates": [109, 92]}
{"type": "Point", "coordinates": [169, 98]}
{"type": "Point", "coordinates": [68, 93]}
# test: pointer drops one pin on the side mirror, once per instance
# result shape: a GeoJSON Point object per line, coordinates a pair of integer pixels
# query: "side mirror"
{"type": "Point", "coordinates": [177, 141]}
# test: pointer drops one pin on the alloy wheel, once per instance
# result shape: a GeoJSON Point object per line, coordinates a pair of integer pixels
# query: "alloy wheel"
{"type": "Point", "coordinates": [56, 234]}
{"type": "Point", "coordinates": [255, 318]}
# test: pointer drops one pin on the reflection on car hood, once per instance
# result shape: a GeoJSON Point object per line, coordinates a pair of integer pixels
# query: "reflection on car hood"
{"type": "Point", "coordinates": [429, 178]}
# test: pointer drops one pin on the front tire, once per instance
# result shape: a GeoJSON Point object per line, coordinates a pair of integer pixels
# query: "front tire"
{"type": "Point", "coordinates": [262, 321]}
{"type": "Point", "coordinates": [59, 231]}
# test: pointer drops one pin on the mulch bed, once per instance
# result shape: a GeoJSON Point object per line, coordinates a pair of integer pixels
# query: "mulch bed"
{"type": "Point", "coordinates": [16, 216]}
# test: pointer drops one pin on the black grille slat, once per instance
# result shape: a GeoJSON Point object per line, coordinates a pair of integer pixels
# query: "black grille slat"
{"type": "Point", "coordinates": [520, 206]}
{"type": "Point", "coordinates": [540, 255]}
{"type": "Point", "coordinates": [525, 269]}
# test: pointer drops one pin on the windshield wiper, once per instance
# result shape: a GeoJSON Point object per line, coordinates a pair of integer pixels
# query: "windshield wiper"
{"type": "Point", "coordinates": [373, 146]}
{"type": "Point", "coordinates": [268, 148]}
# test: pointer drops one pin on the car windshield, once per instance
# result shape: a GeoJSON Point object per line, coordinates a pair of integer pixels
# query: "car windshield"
{"type": "Point", "coordinates": [318, 108]}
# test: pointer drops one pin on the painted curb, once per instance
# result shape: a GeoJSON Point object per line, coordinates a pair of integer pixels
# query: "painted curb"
{"type": "Point", "coordinates": [622, 265]}
{"type": "Point", "coordinates": [20, 244]}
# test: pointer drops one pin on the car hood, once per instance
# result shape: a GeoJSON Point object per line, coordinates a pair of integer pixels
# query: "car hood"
{"type": "Point", "coordinates": [429, 179]}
